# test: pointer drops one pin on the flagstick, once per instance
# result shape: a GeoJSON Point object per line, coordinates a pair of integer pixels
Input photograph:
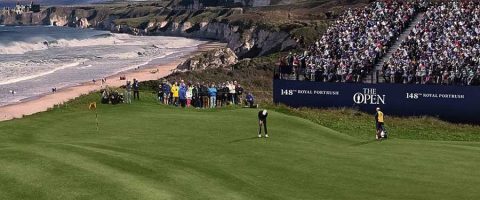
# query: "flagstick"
{"type": "Point", "coordinates": [93, 106]}
{"type": "Point", "coordinates": [96, 118]}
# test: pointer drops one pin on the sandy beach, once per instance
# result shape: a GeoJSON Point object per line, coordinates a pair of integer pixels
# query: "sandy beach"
{"type": "Point", "coordinates": [46, 101]}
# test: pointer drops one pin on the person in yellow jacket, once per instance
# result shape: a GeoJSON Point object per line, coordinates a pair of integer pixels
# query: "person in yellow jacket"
{"type": "Point", "coordinates": [379, 123]}
{"type": "Point", "coordinates": [174, 91]}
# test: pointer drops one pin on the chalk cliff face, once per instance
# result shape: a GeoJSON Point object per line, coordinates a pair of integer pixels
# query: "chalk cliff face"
{"type": "Point", "coordinates": [245, 40]}
{"type": "Point", "coordinates": [249, 42]}
{"type": "Point", "coordinates": [217, 58]}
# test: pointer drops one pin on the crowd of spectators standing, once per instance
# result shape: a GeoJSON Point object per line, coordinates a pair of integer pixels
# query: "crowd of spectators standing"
{"type": "Point", "coordinates": [203, 95]}
{"type": "Point", "coordinates": [444, 48]}
{"type": "Point", "coordinates": [181, 94]}
{"type": "Point", "coordinates": [351, 46]}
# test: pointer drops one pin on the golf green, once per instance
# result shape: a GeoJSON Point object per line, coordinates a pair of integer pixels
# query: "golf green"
{"type": "Point", "coordinates": [149, 151]}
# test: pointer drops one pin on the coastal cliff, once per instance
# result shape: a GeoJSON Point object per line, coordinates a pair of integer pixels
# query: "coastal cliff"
{"type": "Point", "coordinates": [215, 58]}
{"type": "Point", "coordinates": [243, 33]}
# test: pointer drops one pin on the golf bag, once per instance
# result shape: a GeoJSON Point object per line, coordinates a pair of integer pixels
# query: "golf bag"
{"type": "Point", "coordinates": [384, 133]}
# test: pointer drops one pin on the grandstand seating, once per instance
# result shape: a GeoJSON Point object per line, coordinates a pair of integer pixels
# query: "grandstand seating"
{"type": "Point", "coordinates": [443, 48]}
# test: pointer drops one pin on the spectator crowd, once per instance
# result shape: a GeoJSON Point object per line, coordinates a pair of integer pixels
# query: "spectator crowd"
{"type": "Point", "coordinates": [444, 48]}
{"type": "Point", "coordinates": [351, 46]}
{"type": "Point", "coordinates": [181, 94]}
{"type": "Point", "coordinates": [202, 95]}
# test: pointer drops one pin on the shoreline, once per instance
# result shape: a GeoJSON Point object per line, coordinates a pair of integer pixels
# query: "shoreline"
{"type": "Point", "coordinates": [43, 102]}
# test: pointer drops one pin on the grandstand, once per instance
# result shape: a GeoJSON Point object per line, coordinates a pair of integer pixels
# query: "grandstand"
{"type": "Point", "coordinates": [444, 48]}
{"type": "Point", "coordinates": [431, 51]}
{"type": "Point", "coordinates": [395, 42]}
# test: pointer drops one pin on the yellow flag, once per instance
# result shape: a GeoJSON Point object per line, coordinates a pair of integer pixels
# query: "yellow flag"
{"type": "Point", "coordinates": [93, 106]}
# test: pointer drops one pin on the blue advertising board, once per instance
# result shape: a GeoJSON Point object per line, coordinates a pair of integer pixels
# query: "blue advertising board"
{"type": "Point", "coordinates": [451, 103]}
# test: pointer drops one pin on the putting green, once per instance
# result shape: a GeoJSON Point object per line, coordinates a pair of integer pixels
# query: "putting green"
{"type": "Point", "coordinates": [149, 151]}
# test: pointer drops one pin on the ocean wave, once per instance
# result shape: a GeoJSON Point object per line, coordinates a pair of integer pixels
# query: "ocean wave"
{"type": "Point", "coordinates": [21, 47]}
{"type": "Point", "coordinates": [144, 63]}
{"type": "Point", "coordinates": [103, 35]}
{"type": "Point", "coordinates": [7, 32]}
{"type": "Point", "coordinates": [44, 43]}
{"type": "Point", "coordinates": [85, 67]}
{"type": "Point", "coordinates": [126, 55]}
{"type": "Point", "coordinates": [24, 78]}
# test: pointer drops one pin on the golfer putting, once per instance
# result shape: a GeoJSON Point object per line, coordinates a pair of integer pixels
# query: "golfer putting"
{"type": "Point", "coordinates": [262, 120]}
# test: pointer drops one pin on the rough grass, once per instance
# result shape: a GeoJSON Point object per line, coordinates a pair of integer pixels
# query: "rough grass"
{"type": "Point", "coordinates": [139, 22]}
{"type": "Point", "coordinates": [361, 125]}
{"type": "Point", "coordinates": [309, 34]}
{"type": "Point", "coordinates": [149, 151]}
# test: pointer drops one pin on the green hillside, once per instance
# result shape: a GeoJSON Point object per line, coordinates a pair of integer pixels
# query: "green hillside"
{"type": "Point", "coordinates": [150, 151]}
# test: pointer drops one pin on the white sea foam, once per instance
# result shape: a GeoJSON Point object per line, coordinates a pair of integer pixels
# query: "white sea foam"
{"type": "Point", "coordinates": [126, 55]}
{"type": "Point", "coordinates": [21, 47]}
{"type": "Point", "coordinates": [37, 44]}
{"type": "Point", "coordinates": [143, 63]}
{"type": "Point", "coordinates": [24, 78]}
{"type": "Point", "coordinates": [85, 67]}
{"type": "Point", "coordinates": [30, 67]}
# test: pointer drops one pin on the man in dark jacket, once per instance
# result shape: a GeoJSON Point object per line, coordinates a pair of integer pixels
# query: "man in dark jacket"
{"type": "Point", "coordinates": [136, 87]}
{"type": "Point", "coordinates": [224, 95]}
{"type": "Point", "coordinates": [262, 120]}
{"type": "Point", "coordinates": [160, 93]}
{"type": "Point", "coordinates": [239, 96]}
{"type": "Point", "coordinates": [205, 97]}
{"type": "Point", "coordinates": [196, 97]}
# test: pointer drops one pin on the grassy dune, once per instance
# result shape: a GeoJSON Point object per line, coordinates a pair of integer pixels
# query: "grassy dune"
{"type": "Point", "coordinates": [361, 125]}
{"type": "Point", "coordinates": [149, 151]}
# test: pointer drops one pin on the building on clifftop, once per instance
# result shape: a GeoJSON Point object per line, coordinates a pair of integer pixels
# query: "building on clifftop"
{"type": "Point", "coordinates": [19, 8]}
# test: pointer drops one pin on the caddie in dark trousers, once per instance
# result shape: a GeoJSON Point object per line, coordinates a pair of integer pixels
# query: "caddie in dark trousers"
{"type": "Point", "coordinates": [379, 124]}
{"type": "Point", "coordinates": [262, 120]}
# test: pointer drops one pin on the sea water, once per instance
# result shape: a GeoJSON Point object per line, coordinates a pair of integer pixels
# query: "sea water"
{"type": "Point", "coordinates": [35, 59]}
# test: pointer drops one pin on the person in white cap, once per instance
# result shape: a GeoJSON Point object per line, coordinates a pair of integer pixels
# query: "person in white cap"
{"type": "Point", "coordinates": [262, 120]}
{"type": "Point", "coordinates": [379, 123]}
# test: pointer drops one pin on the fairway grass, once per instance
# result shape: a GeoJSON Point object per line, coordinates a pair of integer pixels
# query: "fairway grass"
{"type": "Point", "coordinates": [150, 151]}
